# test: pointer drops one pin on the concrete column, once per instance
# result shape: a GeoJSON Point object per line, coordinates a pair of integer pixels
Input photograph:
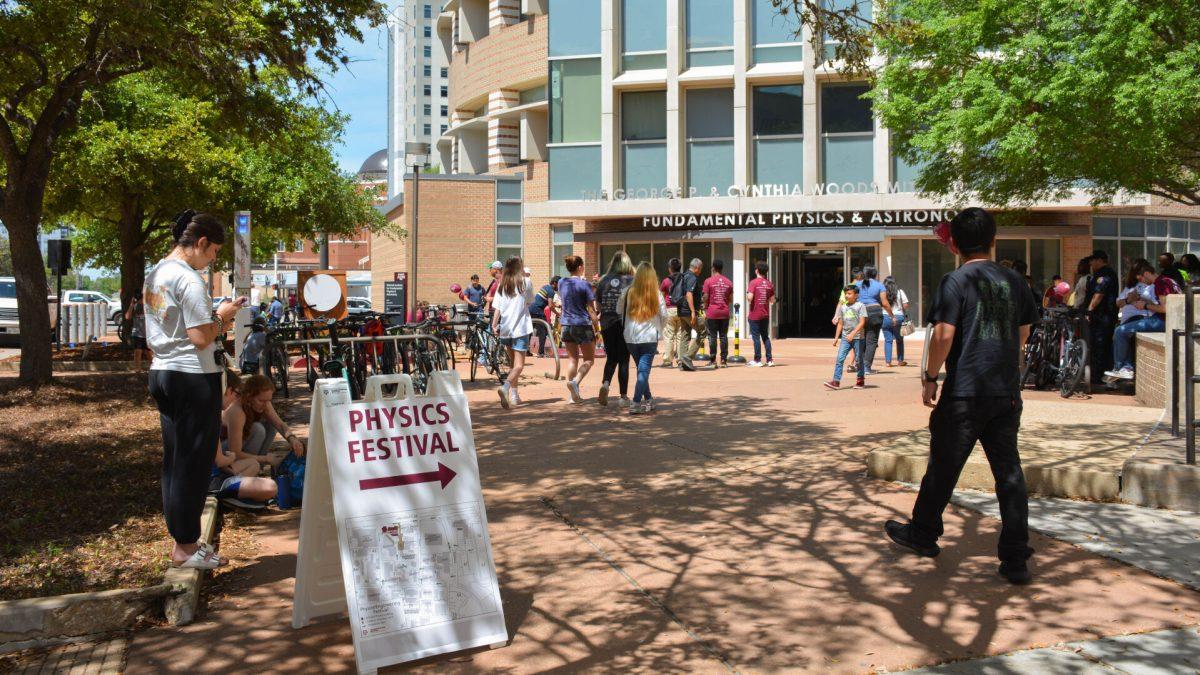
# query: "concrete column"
{"type": "Point", "coordinates": [675, 60]}
{"type": "Point", "coordinates": [609, 59]}
{"type": "Point", "coordinates": [739, 272]}
{"type": "Point", "coordinates": [741, 94]}
{"type": "Point", "coordinates": [882, 156]}
{"type": "Point", "coordinates": [812, 119]}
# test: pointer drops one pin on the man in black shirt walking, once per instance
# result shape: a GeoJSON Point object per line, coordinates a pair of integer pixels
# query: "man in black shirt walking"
{"type": "Point", "coordinates": [980, 320]}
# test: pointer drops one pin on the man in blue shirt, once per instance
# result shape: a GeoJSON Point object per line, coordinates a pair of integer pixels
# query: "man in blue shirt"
{"type": "Point", "coordinates": [473, 294]}
{"type": "Point", "coordinates": [275, 312]}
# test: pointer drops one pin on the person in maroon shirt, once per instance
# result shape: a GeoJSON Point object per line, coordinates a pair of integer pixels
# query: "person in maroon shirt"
{"type": "Point", "coordinates": [760, 295]}
{"type": "Point", "coordinates": [718, 295]}
{"type": "Point", "coordinates": [671, 334]}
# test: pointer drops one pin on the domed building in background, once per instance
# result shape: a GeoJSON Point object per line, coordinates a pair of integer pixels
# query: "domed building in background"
{"type": "Point", "coordinates": [375, 168]}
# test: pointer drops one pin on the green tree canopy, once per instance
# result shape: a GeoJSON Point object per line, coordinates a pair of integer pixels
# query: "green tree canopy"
{"type": "Point", "coordinates": [1016, 101]}
{"type": "Point", "coordinates": [53, 52]}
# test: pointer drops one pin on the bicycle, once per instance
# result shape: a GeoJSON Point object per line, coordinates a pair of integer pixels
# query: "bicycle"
{"type": "Point", "coordinates": [485, 349]}
{"type": "Point", "coordinates": [1056, 354]}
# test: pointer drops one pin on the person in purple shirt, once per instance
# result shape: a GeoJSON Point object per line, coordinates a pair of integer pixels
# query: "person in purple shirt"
{"type": "Point", "coordinates": [578, 324]}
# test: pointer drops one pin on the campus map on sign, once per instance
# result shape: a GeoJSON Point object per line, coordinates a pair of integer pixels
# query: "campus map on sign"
{"type": "Point", "coordinates": [420, 568]}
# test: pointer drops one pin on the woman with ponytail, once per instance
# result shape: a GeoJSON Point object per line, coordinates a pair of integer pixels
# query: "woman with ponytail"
{"type": "Point", "coordinates": [185, 377]}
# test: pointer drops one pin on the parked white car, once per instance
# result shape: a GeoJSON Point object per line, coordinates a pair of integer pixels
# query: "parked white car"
{"type": "Point", "coordinates": [9, 325]}
{"type": "Point", "coordinates": [355, 306]}
{"type": "Point", "coordinates": [79, 297]}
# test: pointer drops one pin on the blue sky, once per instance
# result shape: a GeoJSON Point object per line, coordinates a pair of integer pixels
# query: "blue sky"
{"type": "Point", "coordinates": [360, 91]}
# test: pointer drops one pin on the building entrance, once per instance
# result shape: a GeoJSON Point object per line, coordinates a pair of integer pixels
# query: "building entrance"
{"type": "Point", "coordinates": [808, 284]}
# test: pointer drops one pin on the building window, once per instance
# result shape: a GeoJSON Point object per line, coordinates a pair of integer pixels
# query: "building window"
{"type": "Point", "coordinates": [1127, 239]}
{"type": "Point", "coordinates": [562, 238]}
{"type": "Point", "coordinates": [428, 70]}
{"type": "Point", "coordinates": [443, 129]}
{"type": "Point", "coordinates": [427, 90]}
{"type": "Point", "coordinates": [533, 95]}
{"type": "Point", "coordinates": [445, 111]}
{"type": "Point", "coordinates": [509, 223]}
{"type": "Point", "coordinates": [643, 140]}
{"type": "Point", "coordinates": [709, 33]}
{"type": "Point", "coordinates": [427, 50]}
{"type": "Point", "coordinates": [779, 135]}
{"type": "Point", "coordinates": [428, 33]}
{"type": "Point", "coordinates": [776, 36]}
{"type": "Point", "coordinates": [574, 28]}
{"type": "Point", "coordinates": [904, 173]}
{"type": "Point", "coordinates": [445, 72]}
{"type": "Point", "coordinates": [643, 34]}
{"type": "Point", "coordinates": [428, 110]}
{"type": "Point", "coordinates": [445, 91]}
{"type": "Point", "coordinates": [426, 129]}
{"type": "Point", "coordinates": [847, 138]}
{"type": "Point", "coordinates": [860, 8]}
{"type": "Point", "coordinates": [574, 147]}
{"type": "Point", "coordinates": [281, 247]}
{"type": "Point", "coordinates": [709, 141]}
{"type": "Point", "coordinates": [428, 12]}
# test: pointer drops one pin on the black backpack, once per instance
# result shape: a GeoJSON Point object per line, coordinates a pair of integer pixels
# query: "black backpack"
{"type": "Point", "coordinates": [678, 294]}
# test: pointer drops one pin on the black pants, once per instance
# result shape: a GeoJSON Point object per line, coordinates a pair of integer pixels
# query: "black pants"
{"type": "Point", "coordinates": [616, 356]}
{"type": "Point", "coordinates": [954, 427]}
{"type": "Point", "coordinates": [871, 336]}
{"type": "Point", "coordinates": [189, 409]}
{"type": "Point", "coordinates": [1100, 342]}
{"type": "Point", "coordinates": [718, 332]}
{"type": "Point", "coordinates": [539, 329]}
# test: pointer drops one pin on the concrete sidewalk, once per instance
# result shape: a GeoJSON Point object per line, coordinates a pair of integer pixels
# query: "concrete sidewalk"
{"type": "Point", "coordinates": [734, 530]}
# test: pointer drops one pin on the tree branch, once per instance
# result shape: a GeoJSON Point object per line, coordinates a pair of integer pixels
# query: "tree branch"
{"type": "Point", "coordinates": [12, 108]}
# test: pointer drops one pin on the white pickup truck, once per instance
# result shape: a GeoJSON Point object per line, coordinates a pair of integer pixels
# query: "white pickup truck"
{"type": "Point", "coordinates": [10, 325]}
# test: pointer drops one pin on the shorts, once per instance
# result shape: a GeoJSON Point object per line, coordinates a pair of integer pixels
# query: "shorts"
{"type": "Point", "coordinates": [225, 486]}
{"type": "Point", "coordinates": [517, 344]}
{"type": "Point", "coordinates": [580, 335]}
{"type": "Point", "coordinates": [140, 343]}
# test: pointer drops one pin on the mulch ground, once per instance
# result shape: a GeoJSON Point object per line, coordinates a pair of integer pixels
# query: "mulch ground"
{"type": "Point", "coordinates": [92, 352]}
{"type": "Point", "coordinates": [79, 475]}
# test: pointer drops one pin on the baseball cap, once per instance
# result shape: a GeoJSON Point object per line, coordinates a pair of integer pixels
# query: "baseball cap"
{"type": "Point", "coordinates": [1100, 255]}
{"type": "Point", "coordinates": [497, 265]}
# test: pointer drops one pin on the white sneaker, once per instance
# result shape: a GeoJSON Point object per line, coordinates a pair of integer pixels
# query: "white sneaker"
{"type": "Point", "coordinates": [624, 403]}
{"type": "Point", "coordinates": [515, 397]}
{"type": "Point", "coordinates": [1111, 374]}
{"type": "Point", "coordinates": [602, 398]}
{"type": "Point", "coordinates": [770, 364]}
{"type": "Point", "coordinates": [573, 387]}
{"type": "Point", "coordinates": [505, 397]}
{"type": "Point", "coordinates": [1125, 373]}
{"type": "Point", "coordinates": [753, 364]}
{"type": "Point", "coordinates": [637, 408]}
{"type": "Point", "coordinates": [649, 404]}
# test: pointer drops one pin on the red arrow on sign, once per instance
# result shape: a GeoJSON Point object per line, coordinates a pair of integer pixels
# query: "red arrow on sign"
{"type": "Point", "coordinates": [444, 475]}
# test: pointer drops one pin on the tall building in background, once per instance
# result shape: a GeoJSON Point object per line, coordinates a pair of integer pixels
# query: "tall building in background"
{"type": "Point", "coordinates": [417, 84]}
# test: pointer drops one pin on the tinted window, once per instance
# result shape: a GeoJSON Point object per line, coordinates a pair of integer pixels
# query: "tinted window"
{"type": "Point", "coordinates": [8, 289]}
{"type": "Point", "coordinates": [843, 110]}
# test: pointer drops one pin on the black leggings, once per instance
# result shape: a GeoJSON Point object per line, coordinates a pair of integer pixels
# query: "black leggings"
{"type": "Point", "coordinates": [871, 336]}
{"type": "Point", "coordinates": [617, 356]}
{"type": "Point", "coordinates": [189, 410]}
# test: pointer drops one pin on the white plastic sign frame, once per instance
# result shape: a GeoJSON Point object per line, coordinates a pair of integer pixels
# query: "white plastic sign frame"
{"type": "Point", "coordinates": [395, 483]}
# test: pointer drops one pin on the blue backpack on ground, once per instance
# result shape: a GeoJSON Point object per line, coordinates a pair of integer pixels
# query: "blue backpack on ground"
{"type": "Point", "coordinates": [290, 477]}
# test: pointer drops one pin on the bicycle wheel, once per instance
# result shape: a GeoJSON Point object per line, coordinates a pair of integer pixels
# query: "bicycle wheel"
{"type": "Point", "coordinates": [474, 355]}
{"type": "Point", "coordinates": [1074, 366]}
{"type": "Point", "coordinates": [1033, 363]}
{"type": "Point", "coordinates": [277, 369]}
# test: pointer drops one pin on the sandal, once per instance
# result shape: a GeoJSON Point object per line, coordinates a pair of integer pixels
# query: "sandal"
{"type": "Point", "coordinates": [202, 559]}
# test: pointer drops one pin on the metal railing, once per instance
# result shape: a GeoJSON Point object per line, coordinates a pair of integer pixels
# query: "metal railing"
{"type": "Point", "coordinates": [1189, 334]}
{"type": "Point", "coordinates": [553, 347]}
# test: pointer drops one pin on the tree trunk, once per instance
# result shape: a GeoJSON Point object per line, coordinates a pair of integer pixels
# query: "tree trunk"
{"type": "Point", "coordinates": [131, 236]}
{"type": "Point", "coordinates": [21, 215]}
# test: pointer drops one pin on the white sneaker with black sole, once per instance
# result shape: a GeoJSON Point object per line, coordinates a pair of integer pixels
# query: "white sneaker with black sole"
{"type": "Point", "coordinates": [573, 387]}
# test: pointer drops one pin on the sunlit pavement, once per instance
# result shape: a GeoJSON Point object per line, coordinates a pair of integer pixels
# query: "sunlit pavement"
{"type": "Point", "coordinates": [734, 529]}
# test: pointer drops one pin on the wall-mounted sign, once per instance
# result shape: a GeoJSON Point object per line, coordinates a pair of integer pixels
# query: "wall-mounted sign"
{"type": "Point", "coordinates": [757, 190]}
{"type": "Point", "coordinates": [895, 218]}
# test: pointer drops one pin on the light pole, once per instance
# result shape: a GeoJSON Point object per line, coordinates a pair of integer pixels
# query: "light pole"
{"type": "Point", "coordinates": [415, 154]}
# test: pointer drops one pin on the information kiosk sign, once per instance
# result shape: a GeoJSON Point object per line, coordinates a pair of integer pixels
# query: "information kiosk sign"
{"type": "Point", "coordinates": [416, 559]}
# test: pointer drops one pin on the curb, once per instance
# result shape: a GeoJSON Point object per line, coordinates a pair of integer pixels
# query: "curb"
{"type": "Point", "coordinates": [180, 608]}
{"type": "Point", "coordinates": [53, 620]}
{"type": "Point", "coordinates": [74, 366]}
{"type": "Point", "coordinates": [1097, 486]}
{"type": "Point", "coordinates": [38, 622]}
{"type": "Point", "coordinates": [1161, 485]}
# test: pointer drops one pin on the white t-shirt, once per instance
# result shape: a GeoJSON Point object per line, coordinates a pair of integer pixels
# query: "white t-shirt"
{"type": "Point", "coordinates": [1128, 311]}
{"type": "Point", "coordinates": [642, 332]}
{"type": "Point", "coordinates": [898, 305]}
{"type": "Point", "coordinates": [176, 300]}
{"type": "Point", "coordinates": [514, 311]}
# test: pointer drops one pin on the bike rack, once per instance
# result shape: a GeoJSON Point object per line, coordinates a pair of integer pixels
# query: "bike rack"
{"type": "Point", "coordinates": [358, 339]}
{"type": "Point", "coordinates": [550, 337]}
{"type": "Point", "coordinates": [1189, 370]}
